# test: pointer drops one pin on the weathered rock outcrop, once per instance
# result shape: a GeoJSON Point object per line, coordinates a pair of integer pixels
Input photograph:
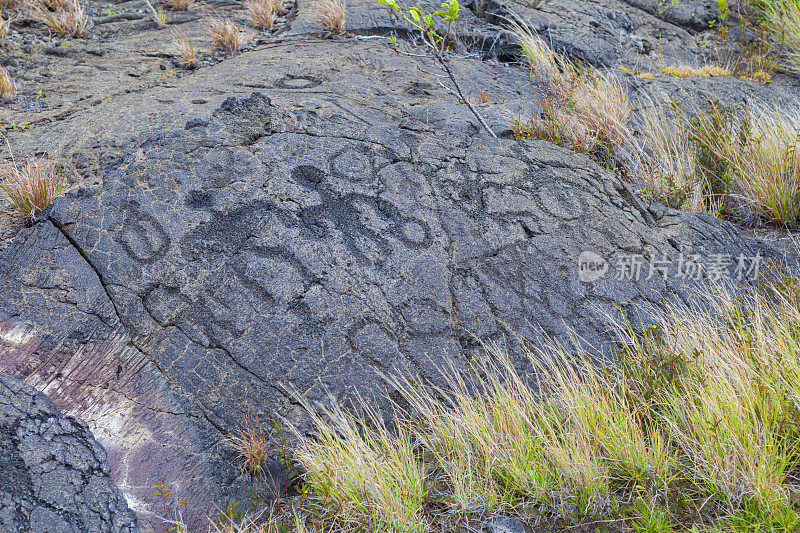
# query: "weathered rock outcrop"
{"type": "Point", "coordinates": [262, 249]}
{"type": "Point", "coordinates": [54, 476]}
{"type": "Point", "coordinates": [310, 214]}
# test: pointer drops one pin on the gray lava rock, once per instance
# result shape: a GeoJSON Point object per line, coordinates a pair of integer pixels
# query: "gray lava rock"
{"type": "Point", "coordinates": [694, 14]}
{"type": "Point", "coordinates": [54, 476]}
{"type": "Point", "coordinates": [604, 33]}
{"type": "Point", "coordinates": [306, 217]}
{"type": "Point", "coordinates": [504, 524]}
{"type": "Point", "coordinates": [265, 251]}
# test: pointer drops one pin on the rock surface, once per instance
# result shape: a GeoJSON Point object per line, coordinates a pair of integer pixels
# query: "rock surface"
{"type": "Point", "coordinates": [54, 476]}
{"type": "Point", "coordinates": [309, 214]}
{"type": "Point", "coordinates": [504, 524]}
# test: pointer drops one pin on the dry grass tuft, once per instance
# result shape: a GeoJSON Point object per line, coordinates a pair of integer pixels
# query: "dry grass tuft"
{"type": "Point", "coordinates": [330, 15]}
{"type": "Point", "coordinates": [8, 87]}
{"type": "Point", "coordinates": [187, 56]}
{"type": "Point", "coordinates": [262, 13]}
{"type": "Point", "coordinates": [69, 21]}
{"type": "Point", "coordinates": [223, 33]}
{"type": "Point", "coordinates": [581, 109]}
{"type": "Point", "coordinates": [781, 18]}
{"type": "Point", "coordinates": [56, 5]}
{"type": "Point", "coordinates": [5, 26]}
{"type": "Point", "coordinates": [252, 445]}
{"type": "Point", "coordinates": [157, 13]}
{"type": "Point", "coordinates": [179, 5]}
{"type": "Point", "coordinates": [667, 163]}
{"type": "Point", "coordinates": [29, 187]}
{"type": "Point", "coordinates": [684, 71]}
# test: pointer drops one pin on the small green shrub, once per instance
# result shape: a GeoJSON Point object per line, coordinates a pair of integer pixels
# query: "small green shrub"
{"type": "Point", "coordinates": [652, 519]}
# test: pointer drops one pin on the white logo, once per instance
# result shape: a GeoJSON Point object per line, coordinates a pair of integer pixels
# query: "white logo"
{"type": "Point", "coordinates": [591, 267]}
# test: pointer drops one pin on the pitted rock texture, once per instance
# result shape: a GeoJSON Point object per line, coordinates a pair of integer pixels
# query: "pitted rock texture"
{"type": "Point", "coordinates": [310, 214]}
{"type": "Point", "coordinates": [54, 476]}
{"type": "Point", "coordinates": [263, 251]}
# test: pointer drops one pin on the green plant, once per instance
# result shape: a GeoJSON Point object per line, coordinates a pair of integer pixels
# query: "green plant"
{"type": "Point", "coordinates": [229, 516]}
{"type": "Point", "coordinates": [285, 451]}
{"type": "Point", "coordinates": [435, 27]}
{"type": "Point", "coordinates": [436, 31]}
{"type": "Point", "coordinates": [724, 10]}
{"type": "Point", "coordinates": [174, 520]}
{"type": "Point", "coordinates": [652, 519]}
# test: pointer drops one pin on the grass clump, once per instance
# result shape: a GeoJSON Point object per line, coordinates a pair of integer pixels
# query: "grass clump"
{"type": "Point", "coordinates": [262, 13]}
{"type": "Point", "coordinates": [252, 445]}
{"type": "Point", "coordinates": [187, 56]}
{"type": "Point", "coordinates": [179, 5]}
{"type": "Point", "coordinates": [330, 15]}
{"type": "Point", "coordinates": [365, 475]}
{"type": "Point", "coordinates": [767, 168]}
{"type": "Point", "coordinates": [780, 19]}
{"type": "Point", "coordinates": [693, 426]}
{"type": "Point", "coordinates": [157, 14]}
{"type": "Point", "coordinates": [69, 20]}
{"type": "Point", "coordinates": [684, 71]}
{"type": "Point", "coordinates": [667, 165]}
{"type": "Point", "coordinates": [738, 164]}
{"type": "Point", "coordinates": [746, 42]}
{"type": "Point", "coordinates": [748, 162]}
{"type": "Point", "coordinates": [29, 187]}
{"type": "Point", "coordinates": [8, 87]}
{"type": "Point", "coordinates": [580, 108]}
{"type": "Point", "coordinates": [223, 33]}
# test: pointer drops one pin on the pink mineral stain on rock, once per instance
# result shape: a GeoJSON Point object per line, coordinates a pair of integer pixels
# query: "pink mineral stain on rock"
{"type": "Point", "coordinates": [126, 403]}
